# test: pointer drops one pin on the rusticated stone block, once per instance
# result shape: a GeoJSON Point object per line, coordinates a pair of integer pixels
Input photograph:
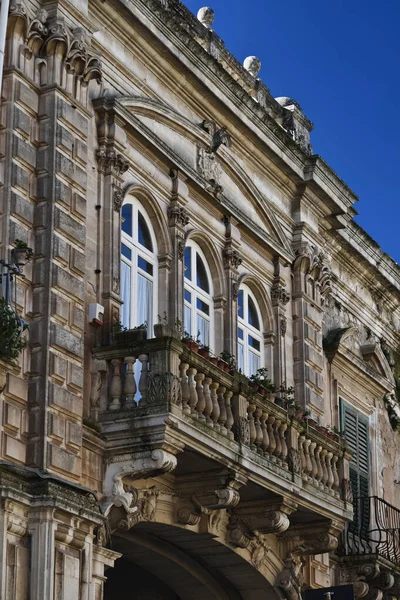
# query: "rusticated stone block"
{"type": "Point", "coordinates": [14, 449]}
{"type": "Point", "coordinates": [66, 340]}
{"type": "Point", "coordinates": [18, 232]}
{"type": "Point", "coordinates": [63, 193]}
{"type": "Point", "coordinates": [22, 121]}
{"type": "Point", "coordinates": [62, 460]}
{"type": "Point", "coordinates": [20, 177]}
{"type": "Point", "coordinates": [56, 427]}
{"type": "Point", "coordinates": [60, 308]}
{"type": "Point", "coordinates": [68, 283]}
{"type": "Point", "coordinates": [24, 151]}
{"type": "Point", "coordinates": [72, 117]}
{"type": "Point", "coordinates": [312, 356]}
{"type": "Point", "coordinates": [26, 96]}
{"type": "Point", "coordinates": [74, 436]}
{"type": "Point", "coordinates": [80, 151]}
{"type": "Point", "coordinates": [64, 139]}
{"type": "Point", "coordinates": [78, 205]}
{"type": "Point", "coordinates": [64, 399]}
{"type": "Point", "coordinates": [78, 262]}
{"type": "Point", "coordinates": [12, 417]}
{"type": "Point", "coordinates": [61, 250]}
{"type": "Point", "coordinates": [16, 388]}
{"type": "Point", "coordinates": [69, 227]}
{"type": "Point", "coordinates": [58, 368]}
{"type": "Point", "coordinates": [75, 377]}
{"type": "Point", "coordinates": [71, 170]}
{"type": "Point", "coordinates": [22, 208]}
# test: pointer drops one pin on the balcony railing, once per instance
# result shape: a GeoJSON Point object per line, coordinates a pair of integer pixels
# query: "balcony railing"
{"type": "Point", "coordinates": [375, 530]}
{"type": "Point", "coordinates": [164, 373]}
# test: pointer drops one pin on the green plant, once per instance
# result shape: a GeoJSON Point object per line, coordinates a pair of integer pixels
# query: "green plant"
{"type": "Point", "coordinates": [141, 326]}
{"type": "Point", "coordinates": [261, 379]}
{"type": "Point", "coordinates": [227, 357]}
{"type": "Point", "coordinates": [11, 329]}
{"type": "Point", "coordinates": [117, 326]}
{"type": "Point", "coordinates": [288, 392]}
{"type": "Point", "coordinates": [20, 245]}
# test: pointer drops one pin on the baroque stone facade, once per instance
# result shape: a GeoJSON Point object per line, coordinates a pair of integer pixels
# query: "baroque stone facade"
{"type": "Point", "coordinates": [177, 471]}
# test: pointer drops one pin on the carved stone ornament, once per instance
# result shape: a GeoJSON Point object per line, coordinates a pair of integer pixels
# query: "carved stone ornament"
{"type": "Point", "coordinates": [279, 295]}
{"type": "Point", "coordinates": [181, 250]}
{"type": "Point", "coordinates": [290, 580]}
{"type": "Point", "coordinates": [370, 580]}
{"type": "Point", "coordinates": [231, 258]}
{"type": "Point", "coordinates": [283, 326]}
{"type": "Point", "coordinates": [241, 430]}
{"type": "Point", "coordinates": [177, 215]}
{"type": "Point", "coordinates": [235, 290]}
{"type": "Point", "coordinates": [124, 495]}
{"type": "Point", "coordinates": [206, 16]}
{"type": "Point", "coordinates": [164, 387]}
{"type": "Point", "coordinates": [294, 461]}
{"type": "Point", "coordinates": [110, 162]}
{"type": "Point", "coordinates": [208, 167]}
{"type": "Point", "coordinates": [118, 199]}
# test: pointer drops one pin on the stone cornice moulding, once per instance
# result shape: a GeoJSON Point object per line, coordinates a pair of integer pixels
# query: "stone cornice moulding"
{"type": "Point", "coordinates": [276, 246]}
{"type": "Point", "coordinates": [356, 368]}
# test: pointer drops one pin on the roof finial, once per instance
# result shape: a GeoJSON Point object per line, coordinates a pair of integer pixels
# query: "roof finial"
{"type": "Point", "coordinates": [206, 16]}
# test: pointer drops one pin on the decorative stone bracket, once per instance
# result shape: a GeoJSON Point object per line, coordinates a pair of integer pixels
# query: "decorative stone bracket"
{"type": "Point", "coordinates": [118, 476]}
{"type": "Point", "coordinates": [370, 580]}
{"type": "Point", "coordinates": [304, 541]}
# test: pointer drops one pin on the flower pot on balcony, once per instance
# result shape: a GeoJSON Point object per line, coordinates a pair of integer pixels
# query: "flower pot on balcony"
{"type": "Point", "coordinates": [192, 345]}
{"type": "Point", "coordinates": [19, 256]}
{"type": "Point", "coordinates": [204, 352]}
{"type": "Point", "coordinates": [131, 336]}
{"type": "Point", "coordinates": [261, 390]}
{"type": "Point", "coordinates": [213, 360]}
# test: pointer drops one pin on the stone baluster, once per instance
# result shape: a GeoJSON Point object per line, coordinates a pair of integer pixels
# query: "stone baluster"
{"type": "Point", "coordinates": [215, 406]}
{"type": "Point", "coordinates": [222, 410]}
{"type": "Point", "coordinates": [336, 480]}
{"type": "Point", "coordinates": [208, 408]}
{"type": "Point", "coordinates": [257, 424]}
{"type": "Point", "coordinates": [201, 401]}
{"type": "Point", "coordinates": [229, 414]}
{"type": "Point", "coordinates": [324, 480]}
{"type": "Point", "coordinates": [271, 435]}
{"type": "Point", "coordinates": [192, 390]}
{"type": "Point", "coordinates": [264, 429]}
{"type": "Point", "coordinates": [185, 387]}
{"type": "Point", "coordinates": [329, 458]}
{"type": "Point", "coordinates": [282, 436]}
{"type": "Point", "coordinates": [116, 385]}
{"type": "Point", "coordinates": [129, 387]}
{"type": "Point", "coordinates": [319, 474]}
{"type": "Point", "coordinates": [306, 445]}
{"type": "Point", "coordinates": [314, 470]}
{"type": "Point", "coordinates": [252, 428]}
{"type": "Point", "coordinates": [302, 456]}
{"type": "Point", "coordinates": [278, 444]}
{"type": "Point", "coordinates": [144, 359]}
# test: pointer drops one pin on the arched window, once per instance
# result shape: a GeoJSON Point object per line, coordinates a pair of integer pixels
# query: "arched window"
{"type": "Point", "coordinates": [138, 268]}
{"type": "Point", "coordinates": [198, 306]}
{"type": "Point", "coordinates": [250, 338]}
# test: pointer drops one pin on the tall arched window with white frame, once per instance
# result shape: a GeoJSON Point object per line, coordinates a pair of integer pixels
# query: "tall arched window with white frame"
{"type": "Point", "coordinates": [198, 302]}
{"type": "Point", "coordinates": [250, 338]}
{"type": "Point", "coordinates": [138, 267]}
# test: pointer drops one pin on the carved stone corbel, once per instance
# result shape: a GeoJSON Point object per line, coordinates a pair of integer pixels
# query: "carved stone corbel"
{"type": "Point", "coordinates": [290, 580]}
{"type": "Point", "coordinates": [121, 494]}
{"type": "Point", "coordinates": [266, 518]}
{"type": "Point", "coordinates": [321, 538]}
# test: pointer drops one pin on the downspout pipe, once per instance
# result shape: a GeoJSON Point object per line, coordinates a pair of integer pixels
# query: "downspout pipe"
{"type": "Point", "coordinates": [4, 8]}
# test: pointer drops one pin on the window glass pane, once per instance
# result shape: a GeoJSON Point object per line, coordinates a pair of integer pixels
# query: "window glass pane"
{"type": "Point", "coordinates": [202, 279]}
{"type": "Point", "coordinates": [144, 265]}
{"type": "Point", "coordinates": [144, 237]}
{"type": "Point", "coordinates": [240, 334]}
{"type": "Point", "coordinates": [252, 316]}
{"type": "Point", "coordinates": [253, 343]}
{"type": "Point", "coordinates": [254, 363]}
{"type": "Point", "coordinates": [203, 306]}
{"type": "Point", "coordinates": [125, 314]}
{"type": "Point", "coordinates": [204, 327]}
{"type": "Point", "coordinates": [240, 305]}
{"type": "Point", "coordinates": [125, 251]}
{"type": "Point", "coordinates": [145, 303]}
{"type": "Point", "coordinates": [126, 218]}
{"type": "Point", "coordinates": [188, 320]}
{"type": "Point", "coordinates": [188, 263]}
{"type": "Point", "coordinates": [240, 357]}
{"type": "Point", "coordinates": [188, 296]}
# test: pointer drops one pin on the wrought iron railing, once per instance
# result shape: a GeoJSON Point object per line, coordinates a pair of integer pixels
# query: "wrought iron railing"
{"type": "Point", "coordinates": [12, 324]}
{"type": "Point", "coordinates": [375, 530]}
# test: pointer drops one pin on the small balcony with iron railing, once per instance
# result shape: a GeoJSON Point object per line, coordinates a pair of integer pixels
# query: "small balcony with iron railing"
{"type": "Point", "coordinates": [161, 391]}
{"type": "Point", "coordinates": [374, 531]}
{"type": "Point", "coordinates": [12, 325]}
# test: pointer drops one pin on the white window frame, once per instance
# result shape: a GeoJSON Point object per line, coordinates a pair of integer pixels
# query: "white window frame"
{"type": "Point", "coordinates": [139, 251]}
{"type": "Point", "coordinates": [249, 329]}
{"type": "Point", "coordinates": [198, 294]}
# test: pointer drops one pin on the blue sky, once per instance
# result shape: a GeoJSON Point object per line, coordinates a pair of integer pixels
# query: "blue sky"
{"type": "Point", "coordinates": [341, 61]}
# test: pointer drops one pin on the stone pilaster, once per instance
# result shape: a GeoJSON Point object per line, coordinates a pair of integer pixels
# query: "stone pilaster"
{"type": "Point", "coordinates": [280, 298]}
{"type": "Point", "coordinates": [231, 261]}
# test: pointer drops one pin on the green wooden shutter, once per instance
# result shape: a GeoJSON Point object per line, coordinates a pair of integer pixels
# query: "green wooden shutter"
{"type": "Point", "coordinates": [356, 432]}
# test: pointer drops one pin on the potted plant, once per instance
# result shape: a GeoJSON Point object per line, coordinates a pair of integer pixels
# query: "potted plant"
{"type": "Point", "coordinates": [225, 361]}
{"type": "Point", "coordinates": [21, 253]}
{"type": "Point", "coordinates": [190, 342]}
{"type": "Point", "coordinates": [260, 382]}
{"type": "Point", "coordinates": [213, 359]}
{"type": "Point", "coordinates": [204, 351]}
{"type": "Point", "coordinates": [135, 336]}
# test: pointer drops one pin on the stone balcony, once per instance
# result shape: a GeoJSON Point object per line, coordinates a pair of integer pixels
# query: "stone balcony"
{"type": "Point", "coordinates": [163, 396]}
